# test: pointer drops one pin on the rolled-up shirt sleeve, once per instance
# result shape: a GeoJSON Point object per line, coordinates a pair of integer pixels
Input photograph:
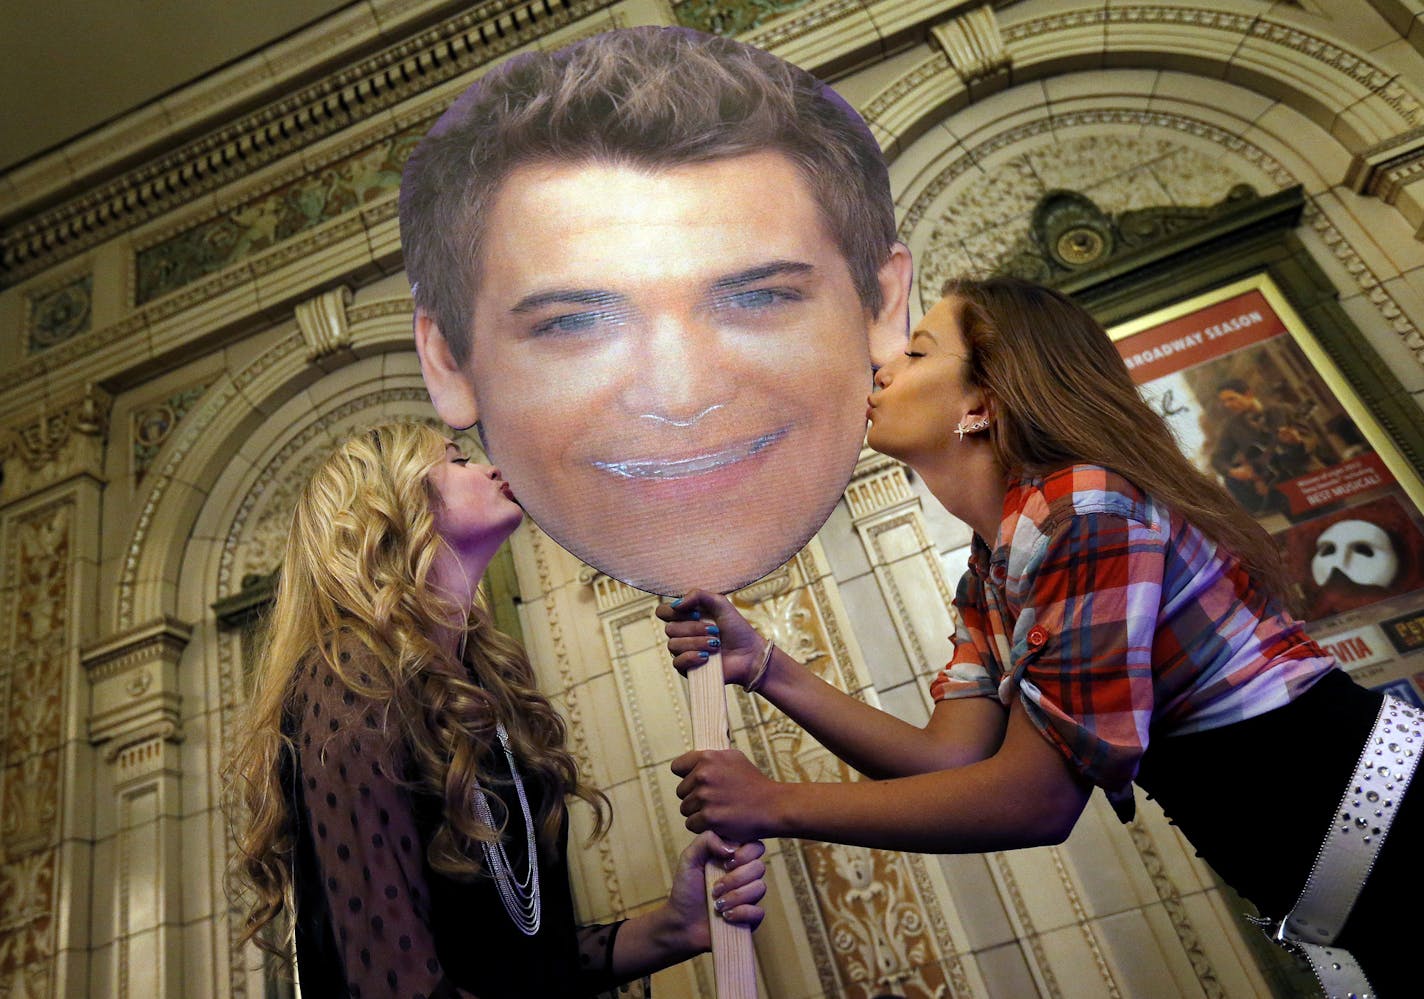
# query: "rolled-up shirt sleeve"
{"type": "Point", "coordinates": [1087, 601]}
{"type": "Point", "coordinates": [966, 675]}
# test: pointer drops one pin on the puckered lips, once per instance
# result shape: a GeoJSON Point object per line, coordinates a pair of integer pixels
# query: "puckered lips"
{"type": "Point", "coordinates": [504, 488]}
{"type": "Point", "coordinates": [691, 461]}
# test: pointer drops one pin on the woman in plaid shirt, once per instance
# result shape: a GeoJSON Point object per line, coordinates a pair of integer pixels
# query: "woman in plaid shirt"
{"type": "Point", "coordinates": [1122, 621]}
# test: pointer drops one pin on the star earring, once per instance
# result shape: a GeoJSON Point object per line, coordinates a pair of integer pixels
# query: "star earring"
{"type": "Point", "coordinates": [972, 427]}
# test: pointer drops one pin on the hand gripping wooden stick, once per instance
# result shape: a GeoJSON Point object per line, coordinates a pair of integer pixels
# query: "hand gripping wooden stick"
{"type": "Point", "coordinates": [732, 955]}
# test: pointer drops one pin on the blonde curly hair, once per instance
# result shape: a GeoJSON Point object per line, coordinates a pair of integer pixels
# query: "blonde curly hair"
{"type": "Point", "coordinates": [357, 569]}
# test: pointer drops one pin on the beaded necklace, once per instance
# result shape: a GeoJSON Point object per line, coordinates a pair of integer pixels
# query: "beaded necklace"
{"type": "Point", "coordinates": [519, 895]}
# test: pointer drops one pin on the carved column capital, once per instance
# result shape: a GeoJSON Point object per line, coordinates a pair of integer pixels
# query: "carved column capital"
{"type": "Point", "coordinates": [133, 687]}
{"type": "Point", "coordinates": [324, 324]}
{"type": "Point", "coordinates": [612, 595]}
{"type": "Point", "coordinates": [878, 488]}
{"type": "Point", "coordinates": [1386, 168]}
{"type": "Point", "coordinates": [776, 583]}
{"type": "Point", "coordinates": [65, 438]}
{"type": "Point", "coordinates": [973, 43]}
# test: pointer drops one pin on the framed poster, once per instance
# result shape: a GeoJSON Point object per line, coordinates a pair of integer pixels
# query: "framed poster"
{"type": "Point", "coordinates": [1256, 401]}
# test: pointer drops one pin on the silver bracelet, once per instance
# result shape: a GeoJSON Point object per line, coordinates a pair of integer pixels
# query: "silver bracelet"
{"type": "Point", "coordinates": [760, 673]}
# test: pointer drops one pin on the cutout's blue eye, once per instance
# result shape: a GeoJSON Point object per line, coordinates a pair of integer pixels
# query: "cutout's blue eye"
{"type": "Point", "coordinates": [580, 323]}
{"type": "Point", "coordinates": [577, 323]}
{"type": "Point", "coordinates": [761, 298]}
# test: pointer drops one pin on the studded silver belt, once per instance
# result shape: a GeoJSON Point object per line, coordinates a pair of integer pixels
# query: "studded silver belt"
{"type": "Point", "coordinates": [1357, 831]}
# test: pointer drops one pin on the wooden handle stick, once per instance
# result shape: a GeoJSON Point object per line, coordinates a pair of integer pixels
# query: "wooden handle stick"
{"type": "Point", "coordinates": [732, 955]}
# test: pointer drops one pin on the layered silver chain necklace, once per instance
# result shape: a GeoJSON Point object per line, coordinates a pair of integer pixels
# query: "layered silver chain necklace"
{"type": "Point", "coordinates": [519, 895]}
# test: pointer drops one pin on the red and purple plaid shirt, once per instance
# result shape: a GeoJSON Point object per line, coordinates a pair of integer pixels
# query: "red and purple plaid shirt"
{"type": "Point", "coordinates": [1115, 618]}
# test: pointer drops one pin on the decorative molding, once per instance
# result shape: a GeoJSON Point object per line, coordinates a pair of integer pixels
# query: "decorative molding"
{"type": "Point", "coordinates": [876, 922]}
{"type": "Point", "coordinates": [133, 679]}
{"type": "Point", "coordinates": [56, 314]}
{"type": "Point", "coordinates": [293, 253]}
{"type": "Point", "coordinates": [844, 667]}
{"type": "Point", "coordinates": [27, 886]}
{"type": "Point", "coordinates": [720, 17]}
{"type": "Point", "coordinates": [34, 642]}
{"type": "Point", "coordinates": [231, 696]}
{"type": "Point", "coordinates": [889, 520]}
{"type": "Point", "coordinates": [609, 594]}
{"type": "Point", "coordinates": [79, 346]}
{"type": "Point", "coordinates": [153, 425]}
{"type": "Point", "coordinates": [140, 754]}
{"type": "Point", "coordinates": [1387, 167]}
{"type": "Point", "coordinates": [1365, 278]}
{"type": "Point", "coordinates": [800, 24]}
{"type": "Point", "coordinates": [1171, 898]}
{"type": "Point", "coordinates": [817, 935]}
{"type": "Point", "coordinates": [930, 69]}
{"type": "Point", "coordinates": [192, 432]}
{"type": "Point", "coordinates": [358, 314]}
{"type": "Point", "coordinates": [161, 639]}
{"type": "Point", "coordinates": [1355, 66]}
{"type": "Point", "coordinates": [1052, 123]}
{"type": "Point", "coordinates": [573, 707]}
{"type": "Point", "coordinates": [952, 967]}
{"type": "Point", "coordinates": [324, 323]}
{"type": "Point", "coordinates": [1040, 965]}
{"type": "Point", "coordinates": [925, 628]}
{"type": "Point", "coordinates": [257, 534]}
{"type": "Point", "coordinates": [878, 486]}
{"type": "Point", "coordinates": [66, 439]}
{"type": "Point", "coordinates": [1085, 922]}
{"type": "Point", "coordinates": [1069, 234]}
{"type": "Point", "coordinates": [40, 441]}
{"type": "Point", "coordinates": [884, 930]}
{"type": "Point", "coordinates": [148, 871]}
{"type": "Point", "coordinates": [301, 199]}
{"type": "Point", "coordinates": [973, 43]}
{"type": "Point", "coordinates": [614, 623]}
{"type": "Point", "coordinates": [343, 99]}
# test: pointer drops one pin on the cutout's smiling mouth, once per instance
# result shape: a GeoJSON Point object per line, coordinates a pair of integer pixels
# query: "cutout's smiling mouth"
{"type": "Point", "coordinates": [700, 464]}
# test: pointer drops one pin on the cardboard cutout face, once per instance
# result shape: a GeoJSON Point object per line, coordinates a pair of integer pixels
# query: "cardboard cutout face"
{"type": "Point", "coordinates": [657, 326]}
{"type": "Point", "coordinates": [670, 367]}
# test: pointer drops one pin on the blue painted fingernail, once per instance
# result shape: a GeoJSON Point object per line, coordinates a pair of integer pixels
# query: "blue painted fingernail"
{"type": "Point", "coordinates": [718, 904]}
{"type": "Point", "coordinates": [702, 656]}
{"type": "Point", "coordinates": [714, 643]}
{"type": "Point", "coordinates": [712, 629]}
{"type": "Point", "coordinates": [697, 615]}
{"type": "Point", "coordinates": [676, 603]}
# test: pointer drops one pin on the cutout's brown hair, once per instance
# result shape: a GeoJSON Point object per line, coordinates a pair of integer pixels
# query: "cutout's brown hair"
{"type": "Point", "coordinates": [651, 98]}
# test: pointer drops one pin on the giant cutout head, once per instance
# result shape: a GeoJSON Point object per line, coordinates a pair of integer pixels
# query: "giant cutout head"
{"type": "Point", "coordinates": [651, 267]}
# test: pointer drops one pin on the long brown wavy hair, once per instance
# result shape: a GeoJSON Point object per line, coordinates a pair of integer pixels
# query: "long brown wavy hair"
{"type": "Point", "coordinates": [1062, 395]}
{"type": "Point", "coordinates": [357, 564]}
